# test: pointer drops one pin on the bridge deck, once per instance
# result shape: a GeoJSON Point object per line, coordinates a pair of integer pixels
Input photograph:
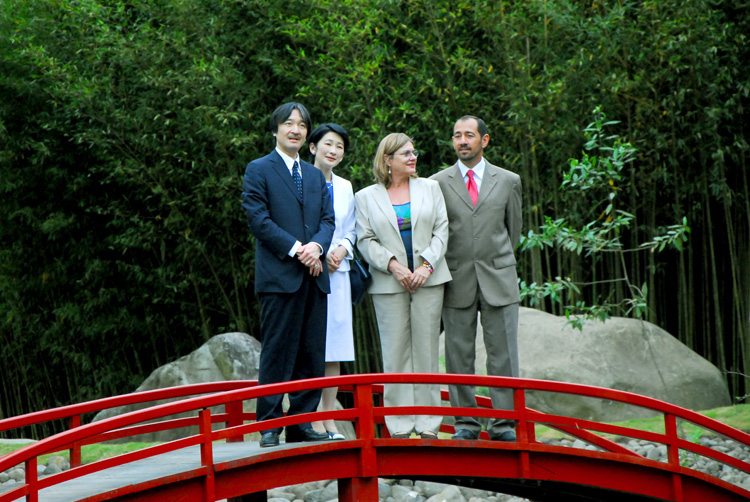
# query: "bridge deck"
{"type": "Point", "coordinates": [165, 465]}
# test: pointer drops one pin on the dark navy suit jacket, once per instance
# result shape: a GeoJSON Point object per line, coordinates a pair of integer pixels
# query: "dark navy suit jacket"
{"type": "Point", "coordinates": [277, 217]}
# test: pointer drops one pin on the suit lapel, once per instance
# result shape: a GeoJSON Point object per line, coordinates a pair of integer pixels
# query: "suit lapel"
{"type": "Point", "coordinates": [416, 194]}
{"type": "Point", "coordinates": [488, 183]}
{"type": "Point", "coordinates": [340, 205]}
{"type": "Point", "coordinates": [310, 175]}
{"type": "Point", "coordinates": [384, 204]}
{"type": "Point", "coordinates": [459, 187]}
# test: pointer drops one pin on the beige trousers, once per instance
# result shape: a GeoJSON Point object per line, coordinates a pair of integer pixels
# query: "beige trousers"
{"type": "Point", "coordinates": [409, 325]}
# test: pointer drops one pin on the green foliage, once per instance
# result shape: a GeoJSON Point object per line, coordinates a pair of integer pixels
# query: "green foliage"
{"type": "Point", "coordinates": [125, 128]}
{"type": "Point", "coordinates": [593, 182]}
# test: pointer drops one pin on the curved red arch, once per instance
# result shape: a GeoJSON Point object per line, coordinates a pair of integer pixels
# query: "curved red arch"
{"type": "Point", "coordinates": [200, 467]}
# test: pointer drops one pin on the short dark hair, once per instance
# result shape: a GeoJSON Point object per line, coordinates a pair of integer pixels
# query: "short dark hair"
{"type": "Point", "coordinates": [324, 129]}
{"type": "Point", "coordinates": [481, 126]}
{"type": "Point", "coordinates": [284, 111]}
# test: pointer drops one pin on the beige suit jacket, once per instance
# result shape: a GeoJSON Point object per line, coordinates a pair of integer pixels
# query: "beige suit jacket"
{"type": "Point", "coordinates": [379, 239]}
{"type": "Point", "coordinates": [482, 238]}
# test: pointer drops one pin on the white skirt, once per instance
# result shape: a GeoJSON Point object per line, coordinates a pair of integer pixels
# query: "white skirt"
{"type": "Point", "coordinates": [339, 333]}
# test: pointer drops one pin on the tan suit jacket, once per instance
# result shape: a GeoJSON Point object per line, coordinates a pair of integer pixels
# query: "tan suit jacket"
{"type": "Point", "coordinates": [379, 239]}
{"type": "Point", "coordinates": [483, 237]}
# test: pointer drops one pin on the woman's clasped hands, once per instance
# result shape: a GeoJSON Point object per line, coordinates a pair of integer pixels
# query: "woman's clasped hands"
{"type": "Point", "coordinates": [410, 281]}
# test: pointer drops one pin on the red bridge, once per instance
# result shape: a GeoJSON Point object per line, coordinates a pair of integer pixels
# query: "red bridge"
{"type": "Point", "coordinates": [213, 462]}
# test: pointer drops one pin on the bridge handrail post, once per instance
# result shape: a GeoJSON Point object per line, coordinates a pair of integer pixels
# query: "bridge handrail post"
{"type": "Point", "coordinates": [207, 453]}
{"type": "Point", "coordinates": [673, 454]}
{"type": "Point", "coordinates": [364, 487]}
{"type": "Point", "coordinates": [522, 427]}
{"type": "Point", "coordinates": [525, 428]}
{"type": "Point", "coordinates": [75, 449]}
{"type": "Point", "coordinates": [31, 478]}
{"type": "Point", "coordinates": [670, 431]}
{"type": "Point", "coordinates": [365, 428]}
{"type": "Point", "coordinates": [234, 410]}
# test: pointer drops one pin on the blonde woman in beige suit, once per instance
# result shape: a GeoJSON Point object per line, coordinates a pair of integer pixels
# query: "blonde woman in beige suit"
{"type": "Point", "coordinates": [402, 232]}
{"type": "Point", "coordinates": [484, 209]}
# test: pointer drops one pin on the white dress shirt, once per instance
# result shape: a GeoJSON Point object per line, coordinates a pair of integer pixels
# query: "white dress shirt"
{"type": "Point", "coordinates": [478, 173]}
{"type": "Point", "coordinates": [290, 165]}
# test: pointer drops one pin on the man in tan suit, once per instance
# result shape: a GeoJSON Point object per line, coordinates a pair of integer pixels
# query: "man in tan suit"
{"type": "Point", "coordinates": [484, 213]}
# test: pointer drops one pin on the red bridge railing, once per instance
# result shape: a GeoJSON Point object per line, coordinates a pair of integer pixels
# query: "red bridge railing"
{"type": "Point", "coordinates": [372, 456]}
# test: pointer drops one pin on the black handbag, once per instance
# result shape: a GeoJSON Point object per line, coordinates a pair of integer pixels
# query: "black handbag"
{"type": "Point", "coordinates": [359, 278]}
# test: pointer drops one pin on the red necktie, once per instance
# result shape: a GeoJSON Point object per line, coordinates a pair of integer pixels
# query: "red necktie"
{"type": "Point", "coordinates": [472, 186]}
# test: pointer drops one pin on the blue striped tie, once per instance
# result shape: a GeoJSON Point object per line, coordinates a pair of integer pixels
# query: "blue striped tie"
{"type": "Point", "coordinates": [297, 178]}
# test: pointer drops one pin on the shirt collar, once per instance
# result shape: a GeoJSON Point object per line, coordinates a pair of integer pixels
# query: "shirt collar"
{"type": "Point", "coordinates": [478, 169]}
{"type": "Point", "coordinates": [288, 160]}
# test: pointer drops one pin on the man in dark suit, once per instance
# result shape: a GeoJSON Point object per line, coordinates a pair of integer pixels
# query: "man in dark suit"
{"type": "Point", "coordinates": [289, 212]}
{"type": "Point", "coordinates": [484, 214]}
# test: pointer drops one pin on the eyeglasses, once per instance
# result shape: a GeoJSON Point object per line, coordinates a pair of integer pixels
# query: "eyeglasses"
{"type": "Point", "coordinates": [408, 154]}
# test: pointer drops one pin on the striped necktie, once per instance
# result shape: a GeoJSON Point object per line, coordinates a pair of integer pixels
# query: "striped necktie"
{"type": "Point", "coordinates": [297, 178]}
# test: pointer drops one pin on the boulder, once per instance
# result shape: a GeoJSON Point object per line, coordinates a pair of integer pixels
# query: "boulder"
{"type": "Point", "coordinates": [623, 354]}
{"type": "Point", "coordinates": [229, 356]}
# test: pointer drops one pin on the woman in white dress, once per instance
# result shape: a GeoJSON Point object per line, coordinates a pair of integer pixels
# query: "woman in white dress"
{"type": "Point", "coordinates": [328, 144]}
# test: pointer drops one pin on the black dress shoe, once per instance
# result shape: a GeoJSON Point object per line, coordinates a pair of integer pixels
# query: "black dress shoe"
{"type": "Point", "coordinates": [507, 436]}
{"type": "Point", "coordinates": [269, 439]}
{"type": "Point", "coordinates": [298, 436]}
{"type": "Point", "coordinates": [465, 434]}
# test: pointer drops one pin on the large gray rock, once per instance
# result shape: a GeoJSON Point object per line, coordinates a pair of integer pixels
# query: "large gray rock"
{"type": "Point", "coordinates": [229, 356]}
{"type": "Point", "coordinates": [623, 354]}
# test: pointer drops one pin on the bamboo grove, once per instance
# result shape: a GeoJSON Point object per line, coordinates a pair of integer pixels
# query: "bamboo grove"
{"type": "Point", "coordinates": [125, 127]}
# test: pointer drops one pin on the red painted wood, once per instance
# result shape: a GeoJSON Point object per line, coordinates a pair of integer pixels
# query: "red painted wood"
{"type": "Point", "coordinates": [32, 479]}
{"type": "Point", "coordinates": [358, 490]}
{"type": "Point", "coordinates": [358, 463]}
{"type": "Point", "coordinates": [234, 418]}
{"type": "Point", "coordinates": [207, 456]}
{"type": "Point", "coordinates": [75, 449]}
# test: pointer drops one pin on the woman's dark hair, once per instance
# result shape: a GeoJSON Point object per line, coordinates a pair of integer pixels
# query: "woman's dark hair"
{"type": "Point", "coordinates": [324, 129]}
{"type": "Point", "coordinates": [284, 111]}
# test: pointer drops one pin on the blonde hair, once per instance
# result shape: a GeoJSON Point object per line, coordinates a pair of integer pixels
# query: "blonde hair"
{"type": "Point", "coordinates": [388, 146]}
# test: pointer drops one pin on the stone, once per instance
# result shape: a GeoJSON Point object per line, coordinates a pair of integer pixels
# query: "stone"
{"type": "Point", "coordinates": [61, 462]}
{"type": "Point", "coordinates": [229, 356]}
{"type": "Point", "coordinates": [314, 496]}
{"type": "Point", "coordinates": [656, 453]}
{"type": "Point", "coordinates": [17, 475]}
{"type": "Point", "coordinates": [449, 494]}
{"type": "Point", "coordinates": [51, 469]}
{"type": "Point", "coordinates": [473, 493]}
{"type": "Point", "coordinates": [299, 491]}
{"type": "Point", "coordinates": [280, 494]}
{"type": "Point", "coordinates": [331, 491]}
{"type": "Point", "coordinates": [384, 489]}
{"type": "Point", "coordinates": [429, 488]}
{"type": "Point", "coordinates": [624, 354]}
{"type": "Point", "coordinates": [579, 444]}
{"type": "Point", "coordinates": [400, 492]}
